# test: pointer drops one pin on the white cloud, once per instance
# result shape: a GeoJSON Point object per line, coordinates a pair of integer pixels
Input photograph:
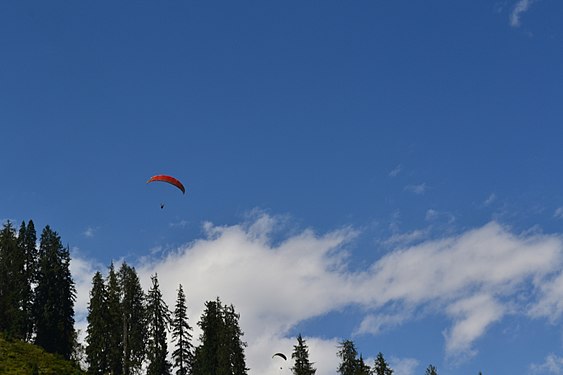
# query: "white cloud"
{"type": "Point", "coordinates": [417, 189]}
{"type": "Point", "coordinates": [472, 316]}
{"type": "Point", "coordinates": [552, 365]}
{"type": "Point", "coordinates": [375, 324]}
{"type": "Point", "coordinates": [403, 366]}
{"type": "Point", "coordinates": [470, 278]}
{"type": "Point", "coordinates": [558, 214]}
{"type": "Point", "coordinates": [520, 8]}
{"type": "Point", "coordinates": [402, 239]}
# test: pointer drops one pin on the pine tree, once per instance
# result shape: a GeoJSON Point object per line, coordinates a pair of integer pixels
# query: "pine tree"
{"type": "Point", "coordinates": [27, 239]}
{"type": "Point", "coordinates": [98, 349]}
{"type": "Point", "coordinates": [362, 368]}
{"type": "Point", "coordinates": [431, 370]}
{"type": "Point", "coordinates": [158, 317]}
{"type": "Point", "coordinates": [133, 320]}
{"type": "Point", "coordinates": [221, 350]}
{"type": "Point", "coordinates": [55, 296]}
{"type": "Point", "coordinates": [114, 323]}
{"type": "Point", "coordinates": [181, 333]}
{"type": "Point", "coordinates": [302, 365]}
{"type": "Point", "coordinates": [348, 358]}
{"type": "Point", "coordinates": [12, 284]}
{"type": "Point", "coordinates": [234, 346]}
{"type": "Point", "coordinates": [380, 367]}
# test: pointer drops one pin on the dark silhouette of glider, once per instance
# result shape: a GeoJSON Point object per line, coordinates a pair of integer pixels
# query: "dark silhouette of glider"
{"type": "Point", "coordinates": [280, 355]}
{"type": "Point", "coordinates": [168, 179]}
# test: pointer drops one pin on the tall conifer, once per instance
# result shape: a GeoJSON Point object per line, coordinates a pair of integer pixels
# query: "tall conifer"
{"type": "Point", "coordinates": [381, 367]}
{"type": "Point", "coordinates": [232, 341]}
{"type": "Point", "coordinates": [133, 312]}
{"type": "Point", "coordinates": [55, 296]}
{"type": "Point", "coordinates": [98, 349]}
{"type": "Point", "coordinates": [12, 284]}
{"type": "Point", "coordinates": [27, 239]}
{"type": "Point", "coordinates": [181, 333]}
{"type": "Point", "coordinates": [221, 350]}
{"type": "Point", "coordinates": [348, 358]}
{"type": "Point", "coordinates": [302, 365]}
{"type": "Point", "coordinates": [114, 322]}
{"type": "Point", "coordinates": [158, 320]}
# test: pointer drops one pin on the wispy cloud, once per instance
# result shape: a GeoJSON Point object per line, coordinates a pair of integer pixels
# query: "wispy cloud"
{"type": "Point", "coordinates": [520, 8]}
{"type": "Point", "coordinates": [471, 278]}
{"type": "Point", "coordinates": [403, 239]}
{"type": "Point", "coordinates": [417, 189]}
{"type": "Point", "coordinates": [490, 200]}
{"type": "Point", "coordinates": [434, 215]}
{"type": "Point", "coordinates": [89, 232]}
{"type": "Point", "coordinates": [552, 365]}
{"type": "Point", "coordinates": [395, 171]}
{"type": "Point", "coordinates": [558, 214]}
{"type": "Point", "coordinates": [403, 366]}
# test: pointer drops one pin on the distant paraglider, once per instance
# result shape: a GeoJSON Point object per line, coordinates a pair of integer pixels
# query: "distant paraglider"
{"type": "Point", "coordinates": [168, 179]}
{"type": "Point", "coordinates": [281, 355]}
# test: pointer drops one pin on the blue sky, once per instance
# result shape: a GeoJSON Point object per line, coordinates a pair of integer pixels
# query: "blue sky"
{"type": "Point", "coordinates": [386, 171]}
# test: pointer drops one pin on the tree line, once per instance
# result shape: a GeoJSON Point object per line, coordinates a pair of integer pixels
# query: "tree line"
{"type": "Point", "coordinates": [128, 328]}
{"type": "Point", "coordinates": [37, 292]}
{"type": "Point", "coordinates": [127, 331]}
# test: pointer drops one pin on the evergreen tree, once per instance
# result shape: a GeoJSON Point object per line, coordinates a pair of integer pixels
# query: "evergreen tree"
{"type": "Point", "coordinates": [158, 317]}
{"type": "Point", "coordinates": [12, 284]}
{"type": "Point", "coordinates": [98, 349]}
{"type": "Point", "coordinates": [431, 370]}
{"type": "Point", "coordinates": [362, 368]}
{"type": "Point", "coordinates": [221, 350]}
{"type": "Point", "coordinates": [380, 367]}
{"type": "Point", "coordinates": [133, 320]}
{"type": "Point", "coordinates": [206, 359]}
{"type": "Point", "coordinates": [181, 333]}
{"type": "Point", "coordinates": [234, 356]}
{"type": "Point", "coordinates": [55, 296]}
{"type": "Point", "coordinates": [348, 358]}
{"type": "Point", "coordinates": [114, 323]}
{"type": "Point", "coordinates": [302, 365]}
{"type": "Point", "coordinates": [27, 239]}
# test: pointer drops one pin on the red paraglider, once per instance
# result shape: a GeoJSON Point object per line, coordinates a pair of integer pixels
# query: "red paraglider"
{"type": "Point", "coordinates": [168, 179]}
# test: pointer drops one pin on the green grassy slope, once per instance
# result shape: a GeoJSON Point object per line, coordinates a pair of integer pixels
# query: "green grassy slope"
{"type": "Point", "coordinates": [20, 358]}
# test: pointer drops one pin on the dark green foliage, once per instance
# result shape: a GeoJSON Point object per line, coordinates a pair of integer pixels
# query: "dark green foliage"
{"type": "Point", "coordinates": [13, 285]}
{"type": "Point", "coordinates": [206, 359]}
{"type": "Point", "coordinates": [114, 323]}
{"type": "Point", "coordinates": [133, 320]}
{"type": "Point", "coordinates": [380, 367]}
{"type": "Point", "coordinates": [431, 370]}
{"type": "Point", "coordinates": [55, 295]}
{"type": "Point", "coordinates": [98, 349]}
{"type": "Point", "coordinates": [233, 345]}
{"type": "Point", "coordinates": [27, 239]}
{"type": "Point", "coordinates": [158, 320]}
{"type": "Point", "coordinates": [21, 358]}
{"type": "Point", "coordinates": [181, 333]}
{"type": "Point", "coordinates": [348, 358]}
{"type": "Point", "coordinates": [221, 350]}
{"type": "Point", "coordinates": [350, 363]}
{"type": "Point", "coordinates": [302, 365]}
{"type": "Point", "coordinates": [362, 368]}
